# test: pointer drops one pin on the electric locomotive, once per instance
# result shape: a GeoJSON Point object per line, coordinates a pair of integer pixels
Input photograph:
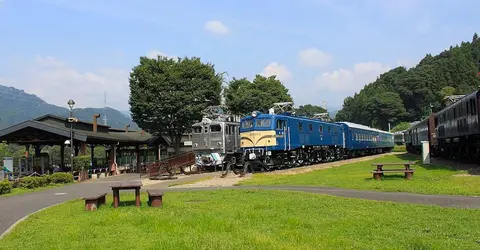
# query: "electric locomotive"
{"type": "Point", "coordinates": [212, 139]}
{"type": "Point", "coordinates": [282, 140]}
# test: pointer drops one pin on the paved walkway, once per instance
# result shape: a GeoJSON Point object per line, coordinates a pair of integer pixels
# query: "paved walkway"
{"type": "Point", "coordinates": [14, 208]}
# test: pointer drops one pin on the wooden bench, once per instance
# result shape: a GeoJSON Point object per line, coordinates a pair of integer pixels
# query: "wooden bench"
{"type": "Point", "coordinates": [91, 203]}
{"type": "Point", "coordinates": [155, 198]}
{"type": "Point", "coordinates": [379, 172]}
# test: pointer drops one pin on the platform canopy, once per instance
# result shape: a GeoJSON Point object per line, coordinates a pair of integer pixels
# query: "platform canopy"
{"type": "Point", "coordinates": [55, 130]}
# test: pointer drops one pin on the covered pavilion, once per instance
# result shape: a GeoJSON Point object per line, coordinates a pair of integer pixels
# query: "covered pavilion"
{"type": "Point", "coordinates": [49, 130]}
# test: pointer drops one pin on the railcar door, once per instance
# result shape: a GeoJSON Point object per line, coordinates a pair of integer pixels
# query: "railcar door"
{"type": "Point", "coordinates": [281, 132]}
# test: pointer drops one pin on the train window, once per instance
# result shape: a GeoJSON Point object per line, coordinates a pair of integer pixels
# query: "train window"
{"type": "Point", "coordinates": [263, 123]}
{"type": "Point", "coordinates": [280, 124]}
{"type": "Point", "coordinates": [247, 124]}
{"type": "Point", "coordinates": [468, 110]}
{"type": "Point", "coordinates": [329, 130]}
{"type": "Point", "coordinates": [320, 128]}
{"type": "Point", "coordinates": [474, 107]}
{"type": "Point", "coordinates": [215, 128]}
{"type": "Point", "coordinates": [310, 126]}
{"type": "Point", "coordinates": [300, 126]}
{"type": "Point", "coordinates": [197, 130]}
{"type": "Point", "coordinates": [454, 112]}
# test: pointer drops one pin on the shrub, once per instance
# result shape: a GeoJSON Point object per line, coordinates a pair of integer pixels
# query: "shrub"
{"type": "Point", "coordinates": [399, 148]}
{"type": "Point", "coordinates": [49, 178]}
{"type": "Point", "coordinates": [5, 187]}
{"type": "Point", "coordinates": [61, 178]}
{"type": "Point", "coordinates": [31, 182]}
{"type": "Point", "coordinates": [81, 162]}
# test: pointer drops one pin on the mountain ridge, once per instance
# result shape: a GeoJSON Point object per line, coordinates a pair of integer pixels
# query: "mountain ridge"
{"type": "Point", "coordinates": [17, 106]}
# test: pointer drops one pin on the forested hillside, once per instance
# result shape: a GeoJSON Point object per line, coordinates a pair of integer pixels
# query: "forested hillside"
{"type": "Point", "coordinates": [17, 106]}
{"type": "Point", "coordinates": [410, 95]}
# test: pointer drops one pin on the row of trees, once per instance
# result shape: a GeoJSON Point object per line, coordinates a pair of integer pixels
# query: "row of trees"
{"type": "Point", "coordinates": [168, 95]}
{"type": "Point", "coordinates": [402, 95]}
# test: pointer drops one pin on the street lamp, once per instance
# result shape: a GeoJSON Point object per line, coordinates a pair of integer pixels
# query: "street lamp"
{"type": "Point", "coordinates": [71, 103]}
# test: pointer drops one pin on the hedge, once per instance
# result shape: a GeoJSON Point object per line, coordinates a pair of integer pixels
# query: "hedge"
{"type": "Point", "coordinates": [61, 177]}
{"type": "Point", "coordinates": [31, 182]}
{"type": "Point", "coordinates": [5, 187]}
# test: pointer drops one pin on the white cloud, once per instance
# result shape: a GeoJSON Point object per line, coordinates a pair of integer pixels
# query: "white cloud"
{"type": "Point", "coordinates": [154, 53]}
{"type": "Point", "coordinates": [281, 71]}
{"type": "Point", "coordinates": [350, 80]}
{"type": "Point", "coordinates": [55, 82]}
{"type": "Point", "coordinates": [216, 27]}
{"type": "Point", "coordinates": [314, 57]}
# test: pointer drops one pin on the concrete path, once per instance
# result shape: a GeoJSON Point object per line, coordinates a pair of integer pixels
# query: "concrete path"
{"type": "Point", "coordinates": [14, 208]}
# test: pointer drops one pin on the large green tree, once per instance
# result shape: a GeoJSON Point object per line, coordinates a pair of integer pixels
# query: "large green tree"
{"type": "Point", "coordinates": [243, 96]}
{"type": "Point", "coordinates": [309, 110]}
{"type": "Point", "coordinates": [168, 95]}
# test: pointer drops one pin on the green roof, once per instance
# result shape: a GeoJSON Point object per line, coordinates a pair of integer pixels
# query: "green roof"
{"type": "Point", "coordinates": [50, 129]}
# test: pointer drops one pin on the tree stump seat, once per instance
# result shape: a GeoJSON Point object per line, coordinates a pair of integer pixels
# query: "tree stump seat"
{"type": "Point", "coordinates": [155, 197]}
{"type": "Point", "coordinates": [93, 202]}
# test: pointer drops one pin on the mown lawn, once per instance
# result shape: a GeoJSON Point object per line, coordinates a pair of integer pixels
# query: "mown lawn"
{"type": "Point", "coordinates": [241, 219]}
{"type": "Point", "coordinates": [428, 179]}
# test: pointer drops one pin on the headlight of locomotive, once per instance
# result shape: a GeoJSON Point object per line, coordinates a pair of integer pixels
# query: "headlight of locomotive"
{"type": "Point", "coordinates": [252, 156]}
{"type": "Point", "coordinates": [195, 145]}
{"type": "Point", "coordinates": [269, 153]}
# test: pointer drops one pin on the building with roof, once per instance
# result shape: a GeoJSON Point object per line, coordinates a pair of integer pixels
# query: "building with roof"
{"type": "Point", "coordinates": [50, 130]}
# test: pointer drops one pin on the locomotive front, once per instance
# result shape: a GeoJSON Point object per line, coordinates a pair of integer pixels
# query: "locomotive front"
{"type": "Point", "coordinates": [257, 135]}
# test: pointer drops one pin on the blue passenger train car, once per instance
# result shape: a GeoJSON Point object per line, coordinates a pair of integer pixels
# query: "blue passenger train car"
{"type": "Point", "coordinates": [361, 139]}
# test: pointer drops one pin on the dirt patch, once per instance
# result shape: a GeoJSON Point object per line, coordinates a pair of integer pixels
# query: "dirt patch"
{"type": "Point", "coordinates": [146, 181]}
{"type": "Point", "coordinates": [462, 175]}
{"type": "Point", "coordinates": [231, 180]}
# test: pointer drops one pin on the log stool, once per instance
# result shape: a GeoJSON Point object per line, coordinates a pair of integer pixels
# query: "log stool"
{"type": "Point", "coordinates": [93, 202]}
{"type": "Point", "coordinates": [155, 198]}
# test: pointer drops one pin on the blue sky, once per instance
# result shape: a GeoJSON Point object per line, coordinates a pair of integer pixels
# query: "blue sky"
{"type": "Point", "coordinates": [323, 50]}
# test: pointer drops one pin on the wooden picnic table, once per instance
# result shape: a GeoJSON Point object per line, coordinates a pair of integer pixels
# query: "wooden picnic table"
{"type": "Point", "coordinates": [381, 164]}
{"type": "Point", "coordinates": [379, 172]}
{"type": "Point", "coordinates": [126, 185]}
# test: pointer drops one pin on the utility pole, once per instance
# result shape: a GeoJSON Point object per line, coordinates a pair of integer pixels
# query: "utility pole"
{"type": "Point", "coordinates": [71, 103]}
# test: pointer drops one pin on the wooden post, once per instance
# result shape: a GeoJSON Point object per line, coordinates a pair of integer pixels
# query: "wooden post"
{"type": "Point", "coordinates": [137, 197]}
{"type": "Point", "coordinates": [116, 198]}
{"type": "Point", "coordinates": [137, 156]}
{"type": "Point", "coordinates": [83, 148]}
{"type": "Point", "coordinates": [62, 155]}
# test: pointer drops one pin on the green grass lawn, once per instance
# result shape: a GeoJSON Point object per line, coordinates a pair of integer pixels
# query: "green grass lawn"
{"type": "Point", "coordinates": [428, 179]}
{"type": "Point", "coordinates": [19, 191]}
{"type": "Point", "coordinates": [248, 219]}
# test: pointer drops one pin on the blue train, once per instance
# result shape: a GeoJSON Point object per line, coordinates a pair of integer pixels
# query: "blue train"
{"type": "Point", "coordinates": [270, 141]}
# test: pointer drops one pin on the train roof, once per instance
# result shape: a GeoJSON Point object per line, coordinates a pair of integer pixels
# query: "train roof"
{"type": "Point", "coordinates": [264, 115]}
{"type": "Point", "coordinates": [210, 121]}
{"type": "Point", "coordinates": [360, 126]}
{"type": "Point", "coordinates": [466, 97]}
